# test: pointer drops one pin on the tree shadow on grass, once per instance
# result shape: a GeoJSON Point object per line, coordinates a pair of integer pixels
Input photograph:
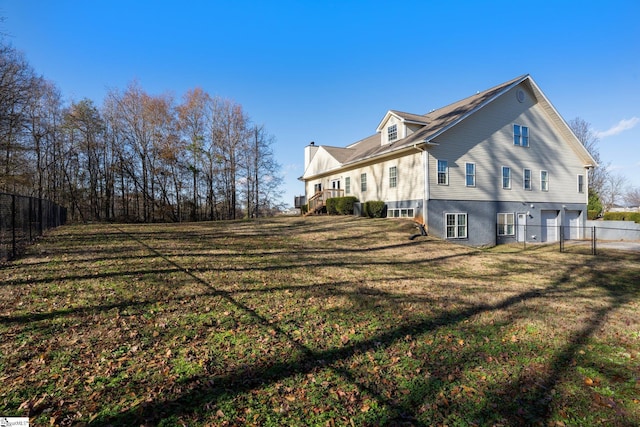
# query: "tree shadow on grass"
{"type": "Point", "coordinates": [508, 406]}
{"type": "Point", "coordinates": [533, 408]}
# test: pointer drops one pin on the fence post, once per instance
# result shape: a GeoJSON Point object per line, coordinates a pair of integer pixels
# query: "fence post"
{"type": "Point", "coordinates": [40, 219]}
{"type": "Point", "coordinates": [593, 240]}
{"type": "Point", "coordinates": [561, 238]}
{"type": "Point", "coordinates": [14, 249]}
{"type": "Point", "coordinates": [31, 219]}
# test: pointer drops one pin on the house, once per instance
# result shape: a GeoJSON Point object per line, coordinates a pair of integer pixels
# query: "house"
{"type": "Point", "coordinates": [499, 166]}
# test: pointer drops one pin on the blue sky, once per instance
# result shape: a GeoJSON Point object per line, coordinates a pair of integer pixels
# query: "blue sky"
{"type": "Point", "coordinates": [327, 71]}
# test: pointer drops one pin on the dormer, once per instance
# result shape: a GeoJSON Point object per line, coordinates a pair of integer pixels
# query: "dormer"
{"type": "Point", "coordinates": [397, 125]}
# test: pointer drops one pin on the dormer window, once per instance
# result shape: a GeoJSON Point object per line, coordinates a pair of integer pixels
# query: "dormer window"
{"type": "Point", "coordinates": [392, 133]}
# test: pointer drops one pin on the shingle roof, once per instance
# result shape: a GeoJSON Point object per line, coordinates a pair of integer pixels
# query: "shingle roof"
{"type": "Point", "coordinates": [436, 122]}
{"type": "Point", "coordinates": [338, 153]}
{"type": "Point", "coordinates": [410, 117]}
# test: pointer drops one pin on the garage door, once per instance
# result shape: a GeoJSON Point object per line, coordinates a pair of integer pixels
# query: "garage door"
{"type": "Point", "coordinates": [549, 226]}
{"type": "Point", "coordinates": [572, 229]}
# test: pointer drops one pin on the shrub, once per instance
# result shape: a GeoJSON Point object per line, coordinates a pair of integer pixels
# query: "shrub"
{"type": "Point", "coordinates": [304, 209]}
{"type": "Point", "coordinates": [374, 209]}
{"type": "Point", "coordinates": [332, 206]}
{"type": "Point", "coordinates": [341, 205]}
{"type": "Point", "coordinates": [345, 205]}
{"type": "Point", "coordinates": [592, 214]}
{"type": "Point", "coordinates": [622, 216]}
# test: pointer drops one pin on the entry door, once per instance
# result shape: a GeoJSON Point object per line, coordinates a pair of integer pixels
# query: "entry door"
{"type": "Point", "coordinates": [549, 226]}
{"type": "Point", "coordinates": [521, 227]}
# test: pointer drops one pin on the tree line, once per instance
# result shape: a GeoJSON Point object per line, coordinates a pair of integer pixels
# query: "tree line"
{"type": "Point", "coordinates": [606, 187]}
{"type": "Point", "coordinates": [137, 157]}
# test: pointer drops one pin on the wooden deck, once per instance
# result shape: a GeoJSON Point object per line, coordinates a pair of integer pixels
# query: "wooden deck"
{"type": "Point", "coordinates": [319, 200]}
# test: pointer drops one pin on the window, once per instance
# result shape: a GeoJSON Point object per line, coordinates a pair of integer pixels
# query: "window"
{"type": "Point", "coordinates": [526, 179]}
{"type": "Point", "coordinates": [393, 177]}
{"type": "Point", "coordinates": [392, 133]}
{"type": "Point", "coordinates": [363, 182]}
{"type": "Point", "coordinates": [506, 177]}
{"type": "Point", "coordinates": [544, 180]}
{"type": "Point", "coordinates": [506, 224]}
{"type": "Point", "coordinates": [400, 213]}
{"type": "Point", "coordinates": [443, 172]}
{"type": "Point", "coordinates": [347, 185]}
{"type": "Point", "coordinates": [520, 135]}
{"type": "Point", "coordinates": [456, 225]}
{"type": "Point", "coordinates": [580, 183]}
{"type": "Point", "coordinates": [471, 174]}
{"type": "Point", "coordinates": [317, 188]}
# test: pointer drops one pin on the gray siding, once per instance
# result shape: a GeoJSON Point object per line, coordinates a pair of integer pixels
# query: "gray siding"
{"type": "Point", "coordinates": [482, 219]}
{"type": "Point", "coordinates": [486, 139]}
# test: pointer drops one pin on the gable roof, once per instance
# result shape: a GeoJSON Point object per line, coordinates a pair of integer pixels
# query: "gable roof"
{"type": "Point", "coordinates": [404, 117]}
{"type": "Point", "coordinates": [439, 121]}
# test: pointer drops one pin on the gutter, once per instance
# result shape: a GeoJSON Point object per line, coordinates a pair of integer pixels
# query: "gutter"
{"type": "Point", "coordinates": [345, 166]}
{"type": "Point", "coordinates": [425, 169]}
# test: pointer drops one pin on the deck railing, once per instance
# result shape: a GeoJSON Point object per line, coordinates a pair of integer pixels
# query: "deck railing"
{"type": "Point", "coordinates": [319, 200]}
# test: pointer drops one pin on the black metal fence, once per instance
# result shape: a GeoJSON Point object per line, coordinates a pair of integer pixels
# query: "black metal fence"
{"type": "Point", "coordinates": [23, 219]}
{"type": "Point", "coordinates": [579, 239]}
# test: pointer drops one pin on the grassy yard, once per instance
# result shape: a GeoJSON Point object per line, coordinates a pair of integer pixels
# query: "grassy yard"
{"type": "Point", "coordinates": [323, 321]}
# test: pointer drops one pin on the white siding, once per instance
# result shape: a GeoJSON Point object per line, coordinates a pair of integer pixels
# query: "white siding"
{"type": "Point", "coordinates": [321, 162]}
{"type": "Point", "coordinates": [393, 120]}
{"type": "Point", "coordinates": [486, 139]}
{"type": "Point", "coordinates": [410, 180]}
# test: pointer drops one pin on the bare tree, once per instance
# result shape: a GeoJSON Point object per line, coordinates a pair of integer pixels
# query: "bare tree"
{"type": "Point", "coordinates": [587, 136]}
{"type": "Point", "coordinates": [230, 132]}
{"type": "Point", "coordinates": [86, 127]}
{"type": "Point", "coordinates": [632, 198]}
{"type": "Point", "coordinates": [204, 153]}
{"type": "Point", "coordinates": [17, 81]}
{"type": "Point", "coordinates": [613, 191]}
{"type": "Point", "coordinates": [260, 173]}
{"type": "Point", "coordinates": [193, 115]}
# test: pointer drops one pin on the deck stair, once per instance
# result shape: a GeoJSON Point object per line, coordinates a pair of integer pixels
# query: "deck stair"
{"type": "Point", "coordinates": [319, 200]}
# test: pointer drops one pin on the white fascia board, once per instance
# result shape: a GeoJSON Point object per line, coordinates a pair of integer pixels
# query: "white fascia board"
{"type": "Point", "coordinates": [385, 119]}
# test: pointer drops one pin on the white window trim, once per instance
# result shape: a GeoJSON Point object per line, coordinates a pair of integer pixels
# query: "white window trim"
{"type": "Point", "coordinates": [542, 187]}
{"type": "Point", "coordinates": [580, 190]}
{"type": "Point", "coordinates": [363, 182]}
{"type": "Point", "coordinates": [347, 185]}
{"type": "Point", "coordinates": [521, 137]}
{"type": "Point", "coordinates": [446, 172]}
{"type": "Point", "coordinates": [394, 177]}
{"type": "Point", "coordinates": [466, 174]}
{"type": "Point", "coordinates": [502, 178]}
{"type": "Point", "coordinates": [456, 226]}
{"type": "Point", "coordinates": [401, 213]}
{"type": "Point", "coordinates": [524, 179]}
{"type": "Point", "coordinates": [392, 132]}
{"type": "Point", "coordinates": [506, 223]}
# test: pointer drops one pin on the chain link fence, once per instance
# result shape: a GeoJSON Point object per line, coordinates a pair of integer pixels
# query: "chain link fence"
{"type": "Point", "coordinates": [23, 219]}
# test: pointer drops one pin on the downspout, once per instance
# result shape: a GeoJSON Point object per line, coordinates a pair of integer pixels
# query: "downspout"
{"type": "Point", "coordinates": [425, 195]}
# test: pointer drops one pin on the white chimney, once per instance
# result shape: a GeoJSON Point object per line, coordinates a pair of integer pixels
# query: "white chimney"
{"type": "Point", "coordinates": [309, 151]}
